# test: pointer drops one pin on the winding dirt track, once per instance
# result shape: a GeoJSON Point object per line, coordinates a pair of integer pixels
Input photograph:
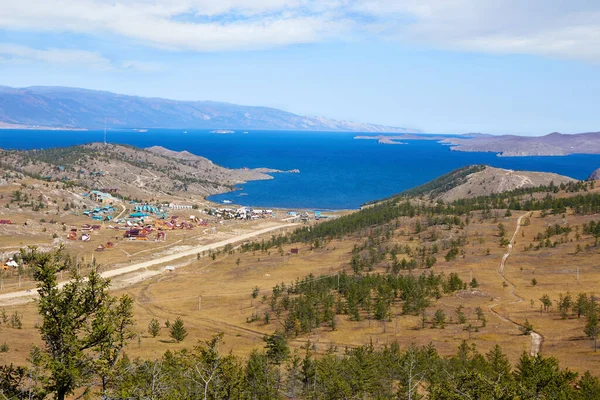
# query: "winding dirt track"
{"type": "Point", "coordinates": [24, 296]}
{"type": "Point", "coordinates": [536, 338]}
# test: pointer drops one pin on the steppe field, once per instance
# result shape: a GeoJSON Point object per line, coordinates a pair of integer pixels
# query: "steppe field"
{"type": "Point", "coordinates": [214, 293]}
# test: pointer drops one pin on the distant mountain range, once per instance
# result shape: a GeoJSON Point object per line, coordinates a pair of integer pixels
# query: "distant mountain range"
{"type": "Point", "coordinates": [71, 108]}
{"type": "Point", "coordinates": [554, 144]}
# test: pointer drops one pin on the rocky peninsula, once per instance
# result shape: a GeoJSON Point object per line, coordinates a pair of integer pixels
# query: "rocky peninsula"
{"type": "Point", "coordinates": [554, 144]}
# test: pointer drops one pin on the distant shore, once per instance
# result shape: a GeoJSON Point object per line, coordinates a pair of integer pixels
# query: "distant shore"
{"type": "Point", "coordinates": [40, 128]}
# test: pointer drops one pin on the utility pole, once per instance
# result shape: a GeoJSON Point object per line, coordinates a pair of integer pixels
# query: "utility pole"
{"type": "Point", "coordinates": [105, 131]}
{"type": "Point", "coordinates": [315, 381]}
{"type": "Point", "coordinates": [578, 273]}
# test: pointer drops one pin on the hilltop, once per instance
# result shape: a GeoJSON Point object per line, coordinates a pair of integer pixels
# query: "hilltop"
{"type": "Point", "coordinates": [492, 180]}
{"type": "Point", "coordinates": [554, 144]}
{"type": "Point", "coordinates": [61, 107]}
{"type": "Point", "coordinates": [132, 171]}
{"type": "Point", "coordinates": [481, 180]}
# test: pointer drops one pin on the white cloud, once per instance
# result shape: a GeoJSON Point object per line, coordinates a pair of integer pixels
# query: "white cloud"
{"type": "Point", "coordinates": [13, 52]}
{"type": "Point", "coordinates": [189, 25]}
{"type": "Point", "coordinates": [556, 28]}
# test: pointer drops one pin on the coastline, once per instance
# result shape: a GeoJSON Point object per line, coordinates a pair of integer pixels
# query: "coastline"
{"type": "Point", "coordinates": [41, 128]}
{"type": "Point", "coordinates": [337, 172]}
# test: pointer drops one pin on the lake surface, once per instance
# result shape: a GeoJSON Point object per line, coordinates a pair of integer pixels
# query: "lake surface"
{"type": "Point", "coordinates": [336, 171]}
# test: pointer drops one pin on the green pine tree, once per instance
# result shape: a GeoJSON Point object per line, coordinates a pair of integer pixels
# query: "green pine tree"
{"type": "Point", "coordinates": [177, 330]}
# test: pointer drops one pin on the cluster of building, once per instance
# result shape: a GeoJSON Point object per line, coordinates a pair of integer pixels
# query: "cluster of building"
{"type": "Point", "coordinates": [100, 213]}
{"type": "Point", "coordinates": [86, 229]}
{"type": "Point", "coordinates": [143, 211]}
{"type": "Point", "coordinates": [242, 213]}
{"type": "Point", "coordinates": [144, 231]}
{"type": "Point", "coordinates": [174, 206]}
{"type": "Point", "coordinates": [99, 196]}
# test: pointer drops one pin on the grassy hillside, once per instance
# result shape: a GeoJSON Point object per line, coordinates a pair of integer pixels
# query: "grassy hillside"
{"type": "Point", "coordinates": [133, 171]}
{"type": "Point", "coordinates": [357, 306]}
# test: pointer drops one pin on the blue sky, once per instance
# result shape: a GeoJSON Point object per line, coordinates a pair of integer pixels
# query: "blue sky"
{"type": "Point", "coordinates": [451, 66]}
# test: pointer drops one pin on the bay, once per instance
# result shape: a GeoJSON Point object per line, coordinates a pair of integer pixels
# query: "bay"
{"type": "Point", "coordinates": [336, 171]}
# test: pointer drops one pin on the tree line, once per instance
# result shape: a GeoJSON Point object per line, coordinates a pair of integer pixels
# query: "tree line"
{"type": "Point", "coordinates": [365, 372]}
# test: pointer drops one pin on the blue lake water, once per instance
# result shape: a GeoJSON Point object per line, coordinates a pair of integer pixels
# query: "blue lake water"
{"type": "Point", "coordinates": [336, 171]}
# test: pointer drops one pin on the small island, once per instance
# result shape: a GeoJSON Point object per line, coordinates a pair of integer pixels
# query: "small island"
{"type": "Point", "coordinates": [397, 139]}
{"type": "Point", "coordinates": [382, 139]}
{"type": "Point", "coordinates": [273, 171]}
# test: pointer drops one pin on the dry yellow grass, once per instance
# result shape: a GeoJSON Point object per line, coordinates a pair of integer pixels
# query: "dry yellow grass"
{"type": "Point", "coordinates": [225, 289]}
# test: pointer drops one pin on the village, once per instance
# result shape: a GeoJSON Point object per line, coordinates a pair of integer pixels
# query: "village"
{"type": "Point", "coordinates": [104, 220]}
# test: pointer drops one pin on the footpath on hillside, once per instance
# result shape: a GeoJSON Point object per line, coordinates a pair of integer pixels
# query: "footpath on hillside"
{"type": "Point", "coordinates": [536, 338]}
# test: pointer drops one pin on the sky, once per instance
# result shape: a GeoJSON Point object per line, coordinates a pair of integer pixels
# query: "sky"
{"type": "Point", "coordinates": [442, 66]}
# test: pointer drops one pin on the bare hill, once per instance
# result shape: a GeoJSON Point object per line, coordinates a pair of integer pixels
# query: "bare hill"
{"type": "Point", "coordinates": [482, 180]}
{"type": "Point", "coordinates": [131, 171]}
{"type": "Point", "coordinates": [492, 180]}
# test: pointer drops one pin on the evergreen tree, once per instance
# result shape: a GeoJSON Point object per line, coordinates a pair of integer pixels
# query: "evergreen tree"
{"type": "Point", "coordinates": [83, 327]}
{"type": "Point", "coordinates": [277, 348]}
{"type": "Point", "coordinates": [177, 330]}
{"type": "Point", "coordinates": [260, 377]}
{"type": "Point", "coordinates": [592, 329]}
{"type": "Point", "coordinates": [546, 302]}
{"type": "Point", "coordinates": [541, 378]}
{"type": "Point", "coordinates": [499, 366]}
{"type": "Point", "coordinates": [526, 328]}
{"type": "Point", "coordinates": [589, 387]}
{"type": "Point", "coordinates": [154, 327]}
{"type": "Point", "coordinates": [460, 315]}
{"type": "Point", "coordinates": [439, 319]}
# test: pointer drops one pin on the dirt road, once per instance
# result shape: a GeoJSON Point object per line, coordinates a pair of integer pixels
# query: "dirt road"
{"type": "Point", "coordinates": [536, 338]}
{"type": "Point", "coordinates": [25, 296]}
